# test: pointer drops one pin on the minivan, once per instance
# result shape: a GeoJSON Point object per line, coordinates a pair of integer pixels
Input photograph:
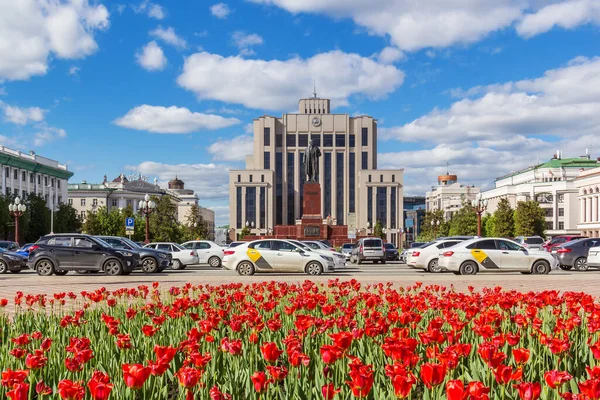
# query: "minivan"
{"type": "Point", "coordinates": [368, 249]}
{"type": "Point", "coordinates": [531, 242]}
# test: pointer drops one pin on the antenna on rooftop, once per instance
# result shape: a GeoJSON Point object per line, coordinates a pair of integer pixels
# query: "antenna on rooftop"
{"type": "Point", "coordinates": [314, 88]}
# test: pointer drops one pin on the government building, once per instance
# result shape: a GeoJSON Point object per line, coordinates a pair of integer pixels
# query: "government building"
{"type": "Point", "coordinates": [269, 192]}
{"type": "Point", "coordinates": [449, 196]}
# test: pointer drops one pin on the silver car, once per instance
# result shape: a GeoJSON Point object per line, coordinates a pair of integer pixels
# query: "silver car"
{"type": "Point", "coordinates": [368, 249]}
{"type": "Point", "coordinates": [347, 250]}
{"type": "Point", "coordinates": [530, 242]}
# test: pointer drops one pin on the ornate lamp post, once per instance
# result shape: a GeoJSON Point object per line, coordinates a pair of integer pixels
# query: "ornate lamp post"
{"type": "Point", "coordinates": [435, 224]}
{"type": "Point", "coordinates": [368, 228]}
{"type": "Point", "coordinates": [16, 210]}
{"type": "Point", "coordinates": [147, 207]}
{"type": "Point", "coordinates": [480, 205]}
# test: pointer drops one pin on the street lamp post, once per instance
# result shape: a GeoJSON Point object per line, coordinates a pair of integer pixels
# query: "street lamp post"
{"type": "Point", "coordinates": [368, 228]}
{"type": "Point", "coordinates": [16, 210]}
{"type": "Point", "coordinates": [480, 205]}
{"type": "Point", "coordinates": [435, 224]}
{"type": "Point", "coordinates": [51, 209]}
{"type": "Point", "coordinates": [147, 207]}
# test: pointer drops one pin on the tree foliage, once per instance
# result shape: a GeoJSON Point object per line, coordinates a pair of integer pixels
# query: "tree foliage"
{"type": "Point", "coordinates": [464, 222]}
{"type": "Point", "coordinates": [488, 225]}
{"type": "Point", "coordinates": [378, 230]}
{"type": "Point", "coordinates": [244, 232]}
{"type": "Point", "coordinates": [530, 219]}
{"type": "Point", "coordinates": [66, 219]}
{"type": "Point", "coordinates": [196, 228]}
{"type": "Point", "coordinates": [39, 218]}
{"type": "Point", "coordinates": [429, 231]}
{"type": "Point", "coordinates": [505, 220]}
{"type": "Point", "coordinates": [164, 226]}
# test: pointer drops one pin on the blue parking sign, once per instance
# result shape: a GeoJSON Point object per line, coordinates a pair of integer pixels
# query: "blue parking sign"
{"type": "Point", "coordinates": [129, 223]}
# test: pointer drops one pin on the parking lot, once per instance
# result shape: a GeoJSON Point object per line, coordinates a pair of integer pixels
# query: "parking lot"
{"type": "Point", "coordinates": [398, 274]}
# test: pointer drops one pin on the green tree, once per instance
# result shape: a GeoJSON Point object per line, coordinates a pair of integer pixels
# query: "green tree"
{"type": "Point", "coordinates": [505, 221]}
{"type": "Point", "coordinates": [6, 222]}
{"type": "Point", "coordinates": [429, 230]}
{"type": "Point", "coordinates": [39, 218]}
{"type": "Point", "coordinates": [530, 219]}
{"type": "Point", "coordinates": [66, 219]}
{"type": "Point", "coordinates": [164, 226]}
{"type": "Point", "coordinates": [464, 222]}
{"type": "Point", "coordinates": [112, 223]}
{"type": "Point", "coordinates": [92, 226]}
{"type": "Point", "coordinates": [244, 232]}
{"type": "Point", "coordinates": [196, 227]}
{"type": "Point", "coordinates": [378, 230]}
{"type": "Point", "coordinates": [488, 225]}
{"type": "Point", "coordinates": [139, 227]}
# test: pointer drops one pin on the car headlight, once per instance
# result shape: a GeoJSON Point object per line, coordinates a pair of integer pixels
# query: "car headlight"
{"type": "Point", "coordinates": [13, 258]}
{"type": "Point", "coordinates": [126, 253]}
{"type": "Point", "coordinates": [326, 258]}
{"type": "Point", "coordinates": [162, 255]}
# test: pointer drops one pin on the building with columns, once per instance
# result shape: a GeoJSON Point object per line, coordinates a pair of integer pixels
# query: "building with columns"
{"type": "Point", "coordinates": [449, 195]}
{"type": "Point", "coordinates": [269, 191]}
{"type": "Point", "coordinates": [552, 184]}
{"type": "Point", "coordinates": [588, 188]}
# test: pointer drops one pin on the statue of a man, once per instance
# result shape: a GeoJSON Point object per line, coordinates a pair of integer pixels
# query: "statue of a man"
{"type": "Point", "coordinates": [311, 162]}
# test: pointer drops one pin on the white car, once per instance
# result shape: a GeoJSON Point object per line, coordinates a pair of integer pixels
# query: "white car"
{"type": "Point", "coordinates": [208, 252]}
{"type": "Point", "coordinates": [339, 260]}
{"type": "Point", "coordinates": [272, 255]}
{"type": "Point", "coordinates": [593, 258]}
{"type": "Point", "coordinates": [426, 256]}
{"type": "Point", "coordinates": [182, 257]}
{"type": "Point", "coordinates": [495, 254]}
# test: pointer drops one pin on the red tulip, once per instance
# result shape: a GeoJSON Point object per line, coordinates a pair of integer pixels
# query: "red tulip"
{"type": "Point", "coordinates": [555, 379]}
{"type": "Point", "coordinates": [46, 343]}
{"type": "Point", "coordinates": [521, 356]}
{"type": "Point", "coordinates": [477, 391]}
{"type": "Point", "coordinates": [529, 391]}
{"type": "Point", "coordinates": [590, 388]}
{"type": "Point", "coordinates": [329, 391]}
{"type": "Point", "coordinates": [100, 386]}
{"type": "Point", "coordinates": [330, 354]}
{"type": "Point", "coordinates": [42, 389]}
{"type": "Point", "coordinates": [165, 354]}
{"type": "Point", "coordinates": [216, 394]}
{"type": "Point", "coordinates": [36, 361]}
{"type": "Point", "coordinates": [343, 340]}
{"type": "Point", "coordinates": [403, 384]}
{"type": "Point", "coordinates": [361, 378]}
{"type": "Point", "coordinates": [433, 374]}
{"type": "Point", "coordinates": [157, 368]}
{"type": "Point", "coordinates": [270, 352]}
{"type": "Point", "coordinates": [69, 390]}
{"type": "Point", "coordinates": [11, 378]}
{"type": "Point", "coordinates": [504, 374]}
{"type": "Point", "coordinates": [260, 381]}
{"type": "Point", "coordinates": [278, 373]}
{"type": "Point", "coordinates": [135, 375]}
{"type": "Point", "coordinates": [455, 390]}
{"type": "Point", "coordinates": [20, 391]}
{"type": "Point", "coordinates": [149, 330]}
{"type": "Point", "coordinates": [188, 377]}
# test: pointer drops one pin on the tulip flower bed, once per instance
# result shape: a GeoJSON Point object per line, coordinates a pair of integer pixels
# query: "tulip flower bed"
{"type": "Point", "coordinates": [301, 341]}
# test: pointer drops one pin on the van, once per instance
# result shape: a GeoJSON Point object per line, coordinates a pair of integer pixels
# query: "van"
{"type": "Point", "coordinates": [368, 249]}
{"type": "Point", "coordinates": [531, 242]}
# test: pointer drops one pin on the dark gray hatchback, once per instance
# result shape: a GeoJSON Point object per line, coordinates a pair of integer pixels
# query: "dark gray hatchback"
{"type": "Point", "coordinates": [574, 254]}
{"type": "Point", "coordinates": [151, 260]}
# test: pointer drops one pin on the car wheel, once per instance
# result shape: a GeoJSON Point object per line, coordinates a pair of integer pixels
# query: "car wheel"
{"type": "Point", "coordinates": [3, 267]}
{"type": "Point", "coordinates": [61, 272]}
{"type": "Point", "coordinates": [433, 266]}
{"type": "Point", "coordinates": [468, 268]}
{"type": "Point", "coordinates": [541, 267]}
{"type": "Point", "coordinates": [44, 267]}
{"type": "Point", "coordinates": [149, 265]}
{"type": "Point", "coordinates": [177, 265]}
{"type": "Point", "coordinates": [245, 268]}
{"type": "Point", "coordinates": [581, 264]}
{"type": "Point", "coordinates": [214, 262]}
{"type": "Point", "coordinates": [113, 267]}
{"type": "Point", "coordinates": [566, 267]}
{"type": "Point", "coordinates": [314, 268]}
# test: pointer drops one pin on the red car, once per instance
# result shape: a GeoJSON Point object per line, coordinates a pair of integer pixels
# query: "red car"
{"type": "Point", "coordinates": [558, 240]}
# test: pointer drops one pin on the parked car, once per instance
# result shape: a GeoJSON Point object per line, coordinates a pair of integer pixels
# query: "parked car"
{"type": "Point", "coordinates": [274, 255]}
{"type": "Point", "coordinates": [574, 254]}
{"type": "Point", "coordinates": [235, 244]}
{"type": "Point", "coordinates": [391, 252]}
{"type": "Point", "coordinates": [12, 261]}
{"type": "Point", "coordinates": [339, 260]}
{"type": "Point", "coordinates": [182, 257]}
{"type": "Point", "coordinates": [531, 242]}
{"type": "Point", "coordinates": [319, 244]}
{"type": "Point", "coordinates": [9, 245]}
{"type": "Point", "coordinates": [208, 252]}
{"type": "Point", "coordinates": [24, 250]}
{"type": "Point", "coordinates": [593, 260]}
{"type": "Point", "coordinates": [493, 255]}
{"type": "Point", "coordinates": [368, 249]}
{"type": "Point", "coordinates": [558, 240]}
{"type": "Point", "coordinates": [61, 253]}
{"type": "Point", "coordinates": [151, 260]}
{"type": "Point", "coordinates": [426, 256]}
{"type": "Point", "coordinates": [347, 250]}
{"type": "Point", "coordinates": [405, 253]}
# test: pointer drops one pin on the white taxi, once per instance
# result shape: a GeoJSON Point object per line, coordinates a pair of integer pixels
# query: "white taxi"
{"type": "Point", "coordinates": [271, 255]}
{"type": "Point", "coordinates": [593, 258]}
{"type": "Point", "coordinates": [495, 254]}
{"type": "Point", "coordinates": [426, 256]}
{"type": "Point", "coordinates": [339, 259]}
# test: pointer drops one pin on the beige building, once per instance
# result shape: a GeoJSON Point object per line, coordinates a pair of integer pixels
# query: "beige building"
{"type": "Point", "coordinates": [588, 189]}
{"type": "Point", "coordinates": [269, 192]}
{"type": "Point", "coordinates": [449, 195]}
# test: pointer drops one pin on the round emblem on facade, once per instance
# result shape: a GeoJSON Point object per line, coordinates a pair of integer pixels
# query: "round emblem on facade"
{"type": "Point", "coordinates": [316, 121]}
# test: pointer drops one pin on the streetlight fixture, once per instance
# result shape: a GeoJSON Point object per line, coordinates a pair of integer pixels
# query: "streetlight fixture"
{"type": "Point", "coordinates": [435, 224]}
{"type": "Point", "coordinates": [51, 209]}
{"type": "Point", "coordinates": [16, 210]}
{"type": "Point", "coordinates": [368, 228]}
{"type": "Point", "coordinates": [480, 205]}
{"type": "Point", "coordinates": [147, 207]}
{"type": "Point", "coordinates": [384, 231]}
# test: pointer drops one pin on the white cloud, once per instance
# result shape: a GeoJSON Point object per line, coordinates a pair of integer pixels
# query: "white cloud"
{"type": "Point", "coordinates": [74, 70]}
{"type": "Point", "coordinates": [277, 85]}
{"type": "Point", "coordinates": [169, 36]}
{"type": "Point", "coordinates": [22, 115]}
{"type": "Point", "coordinates": [390, 55]}
{"type": "Point", "coordinates": [172, 120]}
{"type": "Point", "coordinates": [220, 10]}
{"type": "Point", "coordinates": [566, 14]}
{"type": "Point", "coordinates": [121, 8]}
{"type": "Point", "coordinates": [47, 134]}
{"type": "Point", "coordinates": [153, 10]}
{"type": "Point", "coordinates": [151, 57]}
{"type": "Point", "coordinates": [244, 42]}
{"type": "Point", "coordinates": [34, 30]}
{"type": "Point", "coordinates": [235, 149]}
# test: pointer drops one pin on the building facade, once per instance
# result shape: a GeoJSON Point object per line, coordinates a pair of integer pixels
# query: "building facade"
{"type": "Point", "coordinates": [269, 191]}
{"type": "Point", "coordinates": [552, 185]}
{"type": "Point", "coordinates": [588, 189]}
{"type": "Point", "coordinates": [28, 173]}
{"type": "Point", "coordinates": [449, 195]}
{"type": "Point", "coordinates": [414, 214]}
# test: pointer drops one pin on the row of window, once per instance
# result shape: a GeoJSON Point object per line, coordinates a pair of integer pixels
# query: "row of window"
{"type": "Point", "coordinates": [550, 225]}
{"type": "Point", "coordinates": [114, 202]}
{"type": "Point", "coordinates": [301, 140]}
{"type": "Point", "coordinates": [31, 177]}
{"type": "Point", "coordinates": [381, 178]}
{"type": "Point", "coordinates": [24, 194]}
{"type": "Point", "coordinates": [550, 212]}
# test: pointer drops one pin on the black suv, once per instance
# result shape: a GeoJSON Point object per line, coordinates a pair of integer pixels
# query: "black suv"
{"type": "Point", "coordinates": [59, 254]}
{"type": "Point", "coordinates": [151, 260]}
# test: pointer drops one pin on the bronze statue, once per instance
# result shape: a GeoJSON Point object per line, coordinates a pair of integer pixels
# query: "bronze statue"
{"type": "Point", "coordinates": [311, 162]}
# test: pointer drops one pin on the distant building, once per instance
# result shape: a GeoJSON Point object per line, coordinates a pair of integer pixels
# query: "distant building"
{"type": "Point", "coordinates": [414, 213]}
{"type": "Point", "coordinates": [449, 195]}
{"type": "Point", "coordinates": [588, 189]}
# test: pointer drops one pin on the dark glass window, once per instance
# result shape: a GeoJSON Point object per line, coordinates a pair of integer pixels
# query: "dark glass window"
{"type": "Point", "coordinates": [238, 205]}
{"type": "Point", "coordinates": [263, 206]}
{"type": "Point", "coordinates": [549, 212]}
{"type": "Point", "coordinates": [302, 140]}
{"type": "Point", "coordinates": [302, 179]}
{"type": "Point", "coordinates": [370, 205]}
{"type": "Point", "coordinates": [278, 188]}
{"type": "Point", "coordinates": [483, 245]}
{"type": "Point", "coordinates": [316, 138]}
{"type": "Point", "coordinates": [291, 214]}
{"type": "Point", "coordinates": [380, 178]}
{"type": "Point", "coordinates": [351, 181]}
{"type": "Point", "coordinates": [239, 178]}
{"type": "Point", "coordinates": [340, 140]}
{"type": "Point", "coordinates": [381, 205]}
{"type": "Point", "coordinates": [327, 181]}
{"type": "Point", "coordinates": [290, 140]}
{"type": "Point", "coordinates": [393, 178]}
{"type": "Point", "coordinates": [23, 176]}
{"type": "Point", "coordinates": [328, 140]}
{"type": "Point", "coordinates": [393, 208]}
{"type": "Point", "coordinates": [39, 180]}
{"type": "Point", "coordinates": [351, 141]}
{"type": "Point", "coordinates": [339, 189]}
{"type": "Point", "coordinates": [365, 160]}
{"type": "Point", "coordinates": [8, 172]}
{"type": "Point", "coordinates": [267, 136]}
{"type": "Point", "coordinates": [561, 212]}
{"type": "Point", "coordinates": [278, 140]}
{"type": "Point", "coordinates": [262, 178]}
{"type": "Point", "coordinates": [250, 178]}
{"type": "Point", "coordinates": [16, 176]}
{"type": "Point", "coordinates": [267, 162]}
{"type": "Point", "coordinates": [251, 205]}
{"type": "Point", "coordinates": [365, 137]}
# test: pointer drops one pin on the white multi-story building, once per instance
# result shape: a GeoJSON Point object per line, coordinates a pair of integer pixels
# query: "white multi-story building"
{"type": "Point", "coordinates": [27, 173]}
{"type": "Point", "coordinates": [552, 185]}
{"type": "Point", "coordinates": [588, 188]}
{"type": "Point", "coordinates": [449, 195]}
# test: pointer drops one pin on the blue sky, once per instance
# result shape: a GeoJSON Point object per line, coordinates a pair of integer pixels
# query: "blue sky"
{"type": "Point", "coordinates": [167, 88]}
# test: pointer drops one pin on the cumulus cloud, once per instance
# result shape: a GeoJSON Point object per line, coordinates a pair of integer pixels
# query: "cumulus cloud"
{"type": "Point", "coordinates": [74, 70]}
{"type": "Point", "coordinates": [172, 119]}
{"type": "Point", "coordinates": [153, 10]}
{"type": "Point", "coordinates": [277, 85]}
{"type": "Point", "coordinates": [566, 14]}
{"type": "Point", "coordinates": [46, 134]}
{"type": "Point", "coordinates": [169, 36]}
{"type": "Point", "coordinates": [244, 42]}
{"type": "Point", "coordinates": [390, 55]}
{"type": "Point", "coordinates": [235, 149]}
{"type": "Point", "coordinates": [33, 31]}
{"type": "Point", "coordinates": [220, 10]}
{"type": "Point", "coordinates": [151, 57]}
{"type": "Point", "coordinates": [22, 115]}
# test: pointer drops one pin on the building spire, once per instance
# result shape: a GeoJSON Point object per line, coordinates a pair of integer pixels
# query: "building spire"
{"type": "Point", "coordinates": [447, 168]}
{"type": "Point", "coordinates": [314, 88]}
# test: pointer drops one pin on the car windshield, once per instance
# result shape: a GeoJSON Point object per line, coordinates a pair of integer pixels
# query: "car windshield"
{"type": "Point", "coordinates": [131, 243]}
{"type": "Point", "coordinates": [102, 242]}
{"type": "Point", "coordinates": [389, 246]}
{"type": "Point", "coordinates": [177, 246]}
{"type": "Point", "coordinates": [347, 246]}
{"type": "Point", "coordinates": [301, 245]}
{"type": "Point", "coordinates": [234, 244]}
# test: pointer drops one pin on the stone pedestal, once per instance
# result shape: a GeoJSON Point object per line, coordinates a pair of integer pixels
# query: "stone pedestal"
{"type": "Point", "coordinates": [311, 206]}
